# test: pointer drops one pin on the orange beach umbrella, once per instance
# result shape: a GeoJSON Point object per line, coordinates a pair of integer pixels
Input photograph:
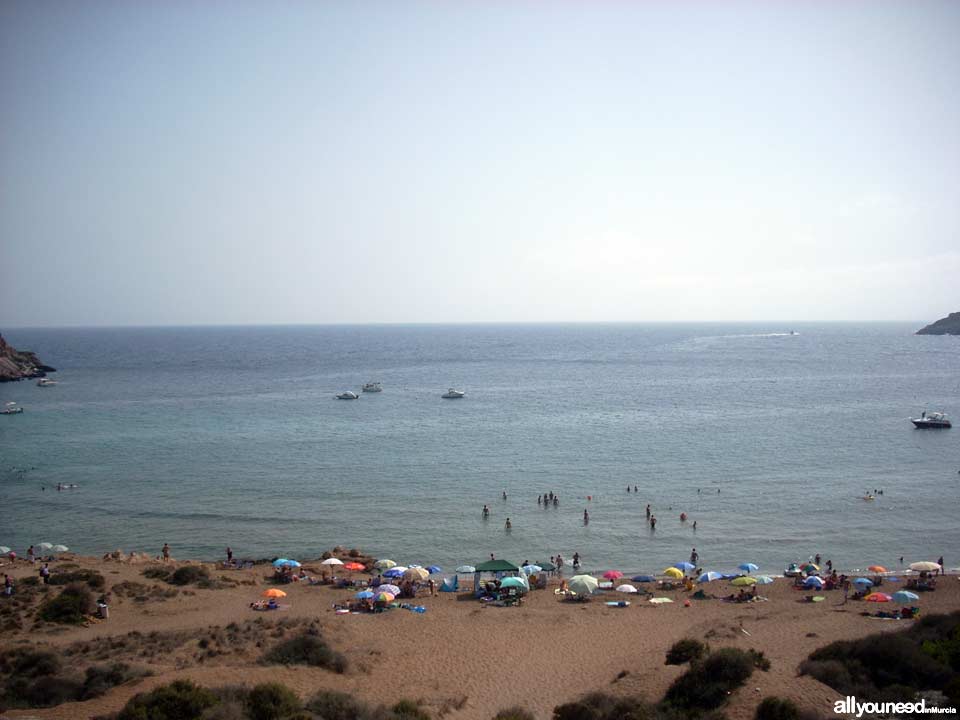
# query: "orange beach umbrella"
{"type": "Point", "coordinates": [353, 566]}
{"type": "Point", "coordinates": [877, 568]}
{"type": "Point", "coordinates": [274, 593]}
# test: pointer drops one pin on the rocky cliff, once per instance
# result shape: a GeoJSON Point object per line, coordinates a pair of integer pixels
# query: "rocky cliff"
{"type": "Point", "coordinates": [950, 325]}
{"type": "Point", "coordinates": [20, 364]}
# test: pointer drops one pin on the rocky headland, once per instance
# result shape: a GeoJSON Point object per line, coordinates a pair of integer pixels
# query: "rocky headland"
{"type": "Point", "coordinates": [20, 364]}
{"type": "Point", "coordinates": [950, 325]}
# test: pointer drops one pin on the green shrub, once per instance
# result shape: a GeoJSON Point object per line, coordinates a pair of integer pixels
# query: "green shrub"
{"type": "Point", "coordinates": [44, 691]}
{"type": "Point", "coordinates": [774, 708]}
{"type": "Point", "coordinates": [91, 578]}
{"type": "Point", "coordinates": [685, 650]}
{"type": "Point", "coordinates": [272, 701]}
{"type": "Point", "coordinates": [514, 713]}
{"type": "Point", "coordinates": [69, 607]}
{"type": "Point", "coordinates": [189, 575]}
{"type": "Point", "coordinates": [157, 572]}
{"type": "Point", "coordinates": [102, 678]}
{"type": "Point", "coordinates": [180, 700]}
{"type": "Point", "coordinates": [409, 710]}
{"type": "Point", "coordinates": [600, 706]}
{"type": "Point", "coordinates": [306, 650]}
{"type": "Point", "coordinates": [27, 662]}
{"type": "Point", "coordinates": [708, 682]}
{"type": "Point", "coordinates": [760, 660]}
{"type": "Point", "coordinates": [333, 705]}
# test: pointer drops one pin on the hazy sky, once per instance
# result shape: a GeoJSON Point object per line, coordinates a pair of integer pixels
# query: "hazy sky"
{"type": "Point", "coordinates": [239, 162]}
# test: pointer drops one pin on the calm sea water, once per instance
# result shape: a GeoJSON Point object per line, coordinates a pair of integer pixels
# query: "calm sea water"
{"type": "Point", "coordinates": [208, 437]}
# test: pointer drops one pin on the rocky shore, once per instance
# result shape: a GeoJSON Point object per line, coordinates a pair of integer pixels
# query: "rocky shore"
{"type": "Point", "coordinates": [20, 364]}
{"type": "Point", "coordinates": [950, 325]}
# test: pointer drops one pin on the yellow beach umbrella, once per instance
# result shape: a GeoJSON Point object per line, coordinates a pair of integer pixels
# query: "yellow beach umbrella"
{"type": "Point", "coordinates": [274, 593]}
{"type": "Point", "coordinates": [744, 580]}
{"type": "Point", "coordinates": [673, 572]}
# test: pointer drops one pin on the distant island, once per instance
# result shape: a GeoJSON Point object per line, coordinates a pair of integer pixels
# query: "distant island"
{"type": "Point", "coordinates": [950, 325]}
{"type": "Point", "coordinates": [20, 364]}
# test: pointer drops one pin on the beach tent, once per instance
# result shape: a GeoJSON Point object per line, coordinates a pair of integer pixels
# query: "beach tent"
{"type": "Point", "coordinates": [450, 584]}
{"type": "Point", "coordinates": [497, 567]}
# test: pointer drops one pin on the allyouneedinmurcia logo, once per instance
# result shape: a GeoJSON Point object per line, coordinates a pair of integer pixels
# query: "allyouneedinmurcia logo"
{"type": "Point", "coordinates": [850, 706]}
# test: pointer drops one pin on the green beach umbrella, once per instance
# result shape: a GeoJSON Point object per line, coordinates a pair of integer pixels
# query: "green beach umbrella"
{"type": "Point", "coordinates": [514, 582]}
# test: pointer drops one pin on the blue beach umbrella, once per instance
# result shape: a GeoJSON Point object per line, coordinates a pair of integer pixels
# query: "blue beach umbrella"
{"type": "Point", "coordinates": [813, 582]}
{"type": "Point", "coordinates": [710, 577]}
{"type": "Point", "coordinates": [394, 572]}
{"type": "Point", "coordinates": [643, 578]}
{"type": "Point", "coordinates": [748, 567]}
{"type": "Point", "coordinates": [280, 562]}
{"type": "Point", "coordinates": [904, 596]}
{"type": "Point", "coordinates": [685, 566]}
{"type": "Point", "coordinates": [364, 595]}
{"type": "Point", "coordinates": [863, 582]}
{"type": "Point", "coordinates": [434, 569]}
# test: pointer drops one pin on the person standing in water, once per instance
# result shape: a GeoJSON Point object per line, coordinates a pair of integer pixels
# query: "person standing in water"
{"type": "Point", "coordinates": [486, 511]}
{"type": "Point", "coordinates": [507, 525]}
{"type": "Point", "coordinates": [653, 522]}
{"type": "Point", "coordinates": [648, 511]}
{"type": "Point", "coordinates": [504, 494]}
{"type": "Point", "coordinates": [586, 517]}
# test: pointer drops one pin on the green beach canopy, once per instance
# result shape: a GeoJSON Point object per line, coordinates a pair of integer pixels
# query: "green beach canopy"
{"type": "Point", "coordinates": [497, 566]}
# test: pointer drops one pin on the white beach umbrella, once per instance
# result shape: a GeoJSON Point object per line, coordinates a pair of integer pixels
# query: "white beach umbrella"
{"type": "Point", "coordinates": [60, 548]}
{"type": "Point", "coordinates": [466, 569]}
{"type": "Point", "coordinates": [583, 584]}
{"type": "Point", "coordinates": [924, 566]}
{"type": "Point", "coordinates": [4, 549]}
{"type": "Point", "coordinates": [384, 564]}
{"type": "Point", "coordinates": [45, 546]}
{"type": "Point", "coordinates": [626, 589]}
{"type": "Point", "coordinates": [332, 561]}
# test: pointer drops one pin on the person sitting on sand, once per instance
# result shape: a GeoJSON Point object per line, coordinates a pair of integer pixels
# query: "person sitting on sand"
{"type": "Point", "coordinates": [272, 604]}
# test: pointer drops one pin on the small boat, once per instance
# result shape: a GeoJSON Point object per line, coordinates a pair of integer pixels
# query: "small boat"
{"type": "Point", "coordinates": [45, 382]}
{"type": "Point", "coordinates": [452, 394]}
{"type": "Point", "coordinates": [793, 570]}
{"type": "Point", "coordinates": [11, 408]}
{"type": "Point", "coordinates": [347, 395]}
{"type": "Point", "coordinates": [934, 420]}
{"type": "Point", "coordinates": [373, 387]}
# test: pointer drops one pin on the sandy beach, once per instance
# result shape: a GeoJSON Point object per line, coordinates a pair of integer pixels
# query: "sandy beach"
{"type": "Point", "coordinates": [462, 659]}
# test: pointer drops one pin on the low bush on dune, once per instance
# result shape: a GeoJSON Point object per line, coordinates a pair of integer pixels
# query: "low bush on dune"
{"type": "Point", "coordinates": [514, 713]}
{"type": "Point", "coordinates": [600, 706]}
{"type": "Point", "coordinates": [685, 650]}
{"type": "Point", "coordinates": [272, 701]}
{"type": "Point", "coordinates": [892, 667]}
{"type": "Point", "coordinates": [708, 682]}
{"type": "Point", "coordinates": [306, 650]}
{"type": "Point", "coordinates": [774, 708]}
{"type": "Point", "coordinates": [180, 700]}
{"type": "Point", "coordinates": [408, 710]}
{"type": "Point", "coordinates": [157, 572]}
{"type": "Point", "coordinates": [69, 607]}
{"type": "Point", "coordinates": [37, 678]}
{"type": "Point", "coordinates": [333, 705]}
{"type": "Point", "coordinates": [91, 578]}
{"type": "Point", "coordinates": [189, 575]}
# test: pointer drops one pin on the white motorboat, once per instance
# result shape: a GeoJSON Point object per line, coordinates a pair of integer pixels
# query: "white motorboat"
{"type": "Point", "coordinates": [45, 382]}
{"type": "Point", "coordinates": [934, 420]}
{"type": "Point", "coordinates": [347, 395]}
{"type": "Point", "coordinates": [373, 387]}
{"type": "Point", "coordinates": [11, 408]}
{"type": "Point", "coordinates": [452, 394]}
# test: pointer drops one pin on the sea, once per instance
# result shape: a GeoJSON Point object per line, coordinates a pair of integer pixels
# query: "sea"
{"type": "Point", "coordinates": [769, 436]}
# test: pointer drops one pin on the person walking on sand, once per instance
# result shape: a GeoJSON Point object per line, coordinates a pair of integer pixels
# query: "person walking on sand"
{"type": "Point", "coordinates": [940, 563]}
{"type": "Point", "coordinates": [45, 574]}
{"type": "Point", "coordinates": [229, 555]}
{"type": "Point", "coordinates": [165, 551]}
{"type": "Point", "coordinates": [30, 555]}
{"type": "Point", "coordinates": [7, 585]}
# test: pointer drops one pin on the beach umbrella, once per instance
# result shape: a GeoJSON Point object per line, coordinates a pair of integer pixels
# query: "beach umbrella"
{"type": "Point", "coordinates": [583, 584]}
{"type": "Point", "coordinates": [764, 580]}
{"type": "Point", "coordinates": [384, 564]}
{"type": "Point", "coordinates": [904, 597]}
{"type": "Point", "coordinates": [743, 581]}
{"type": "Point", "coordinates": [414, 565]}
{"type": "Point", "coordinates": [60, 548]}
{"type": "Point", "coordinates": [392, 589]}
{"type": "Point", "coordinates": [877, 597]}
{"type": "Point", "coordinates": [546, 565]}
{"type": "Point", "coordinates": [613, 574]}
{"type": "Point", "coordinates": [332, 561]}
{"type": "Point", "coordinates": [626, 589]}
{"type": "Point", "coordinates": [710, 576]}
{"type": "Point", "coordinates": [274, 593]}
{"type": "Point", "coordinates": [385, 597]}
{"type": "Point", "coordinates": [810, 568]}
{"type": "Point", "coordinates": [673, 572]}
{"type": "Point", "coordinates": [434, 569]}
{"type": "Point", "coordinates": [863, 582]}
{"type": "Point", "coordinates": [877, 568]}
{"type": "Point", "coordinates": [924, 566]}
{"type": "Point", "coordinates": [813, 582]}
{"type": "Point", "coordinates": [48, 546]}
{"type": "Point", "coordinates": [643, 578]}
{"type": "Point", "coordinates": [748, 567]}
{"type": "Point", "coordinates": [660, 601]}
{"type": "Point", "coordinates": [415, 574]}
{"type": "Point", "coordinates": [395, 572]}
{"type": "Point", "coordinates": [364, 595]}
{"type": "Point", "coordinates": [280, 562]}
{"type": "Point", "coordinates": [4, 549]}
{"type": "Point", "coordinates": [685, 566]}
{"type": "Point", "coordinates": [532, 569]}
{"type": "Point", "coordinates": [514, 582]}
{"type": "Point", "coordinates": [355, 566]}
{"type": "Point", "coordinates": [466, 569]}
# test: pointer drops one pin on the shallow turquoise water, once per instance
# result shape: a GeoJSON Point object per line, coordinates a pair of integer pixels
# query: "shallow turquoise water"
{"type": "Point", "coordinates": [205, 437]}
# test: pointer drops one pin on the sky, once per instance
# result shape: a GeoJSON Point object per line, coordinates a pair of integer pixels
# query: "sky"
{"type": "Point", "coordinates": [175, 163]}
